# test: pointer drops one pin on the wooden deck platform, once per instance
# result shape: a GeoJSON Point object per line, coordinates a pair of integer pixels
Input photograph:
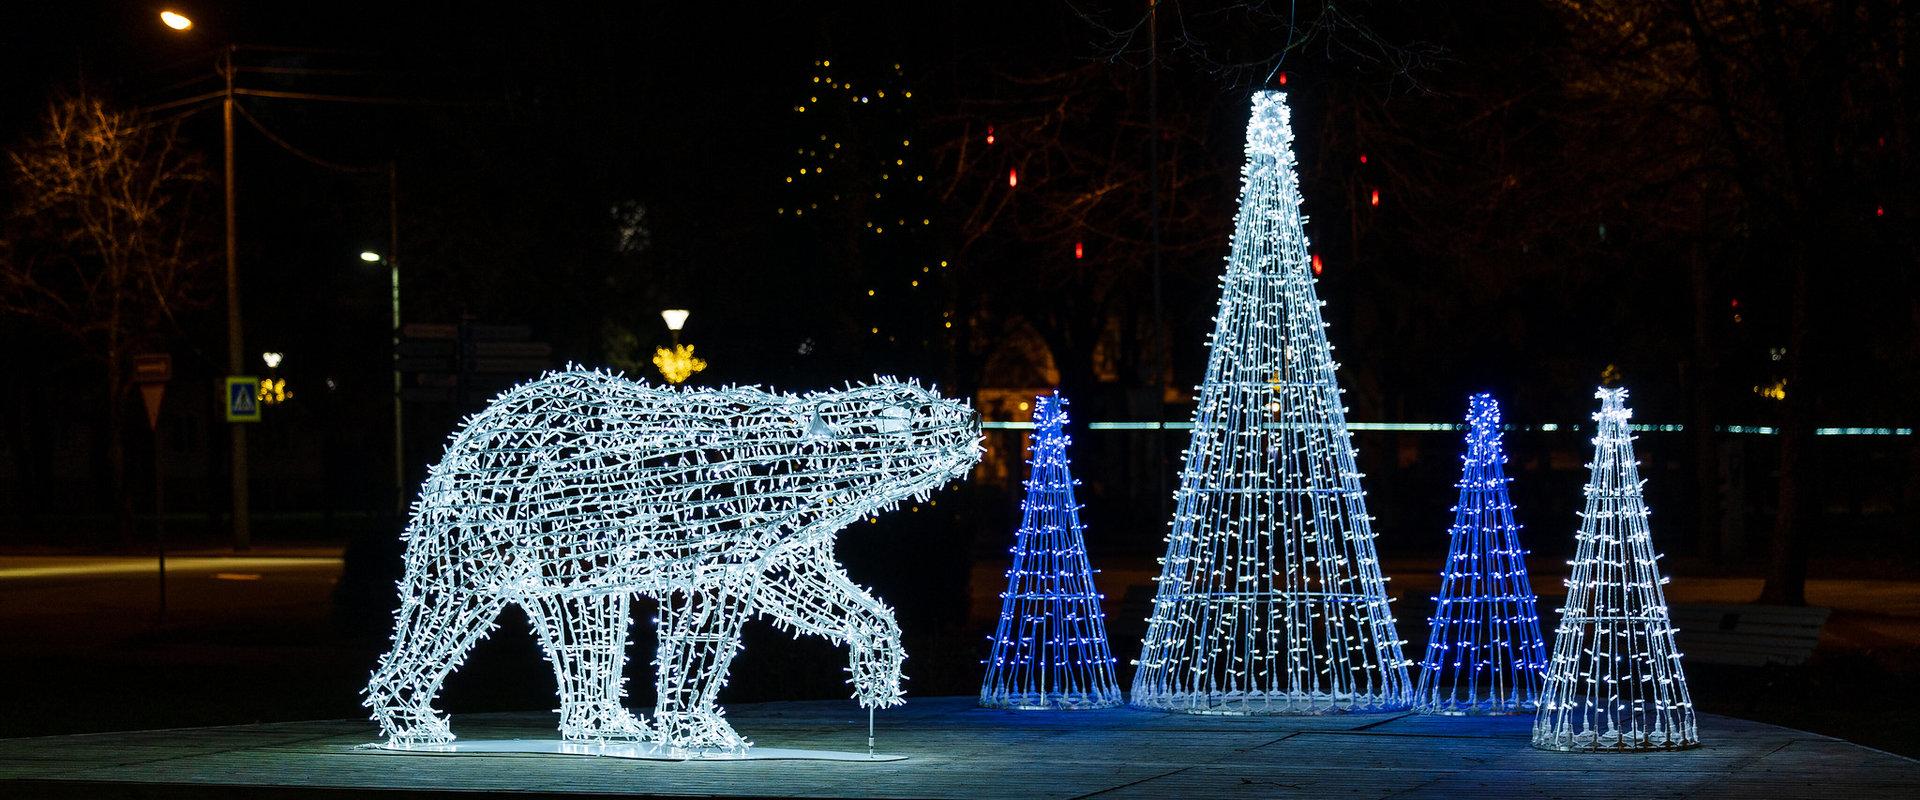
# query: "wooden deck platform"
{"type": "Point", "coordinates": [958, 750]}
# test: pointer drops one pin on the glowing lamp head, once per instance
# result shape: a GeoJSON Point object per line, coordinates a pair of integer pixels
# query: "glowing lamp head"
{"type": "Point", "coordinates": [369, 256]}
{"type": "Point", "coordinates": [273, 359]}
{"type": "Point", "coordinates": [175, 20]}
{"type": "Point", "coordinates": [676, 318]}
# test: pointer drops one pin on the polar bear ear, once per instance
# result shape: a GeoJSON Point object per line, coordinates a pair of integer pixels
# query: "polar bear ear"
{"type": "Point", "coordinates": [815, 427]}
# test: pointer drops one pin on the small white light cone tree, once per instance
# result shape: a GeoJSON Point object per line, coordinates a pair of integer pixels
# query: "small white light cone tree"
{"type": "Point", "coordinates": [1270, 597]}
{"type": "Point", "coordinates": [1615, 682]}
{"type": "Point", "coordinates": [1484, 651]}
{"type": "Point", "coordinates": [1050, 649]}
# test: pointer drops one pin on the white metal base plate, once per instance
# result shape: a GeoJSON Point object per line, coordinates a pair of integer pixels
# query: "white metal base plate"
{"type": "Point", "coordinates": [643, 751]}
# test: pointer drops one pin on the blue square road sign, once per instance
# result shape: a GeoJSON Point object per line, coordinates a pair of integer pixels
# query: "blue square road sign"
{"type": "Point", "coordinates": [243, 398]}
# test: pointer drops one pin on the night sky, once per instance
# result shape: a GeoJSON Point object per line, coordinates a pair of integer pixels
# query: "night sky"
{"type": "Point", "coordinates": [1496, 206]}
{"type": "Point", "coordinates": [1525, 198]}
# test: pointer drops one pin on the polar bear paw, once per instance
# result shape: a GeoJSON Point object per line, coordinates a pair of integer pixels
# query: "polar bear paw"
{"type": "Point", "coordinates": [696, 730]}
{"type": "Point", "coordinates": [427, 732]}
{"type": "Point", "coordinates": [602, 723]}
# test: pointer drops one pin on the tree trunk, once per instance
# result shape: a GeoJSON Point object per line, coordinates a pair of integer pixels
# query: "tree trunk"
{"type": "Point", "coordinates": [1701, 380]}
{"type": "Point", "coordinates": [1787, 571]}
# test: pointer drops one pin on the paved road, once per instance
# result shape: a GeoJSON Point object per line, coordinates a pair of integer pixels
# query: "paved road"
{"type": "Point", "coordinates": [69, 603]}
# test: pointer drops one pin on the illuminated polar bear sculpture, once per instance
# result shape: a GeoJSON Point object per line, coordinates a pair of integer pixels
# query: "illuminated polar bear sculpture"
{"type": "Point", "coordinates": [570, 494]}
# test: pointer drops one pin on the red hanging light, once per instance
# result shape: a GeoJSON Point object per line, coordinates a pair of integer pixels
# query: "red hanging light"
{"type": "Point", "coordinates": [1079, 250]}
{"type": "Point", "coordinates": [1283, 79]}
{"type": "Point", "coordinates": [1013, 178]}
{"type": "Point", "coordinates": [989, 134]}
{"type": "Point", "coordinates": [1375, 200]}
{"type": "Point", "coordinates": [1318, 265]}
{"type": "Point", "coordinates": [1363, 158]}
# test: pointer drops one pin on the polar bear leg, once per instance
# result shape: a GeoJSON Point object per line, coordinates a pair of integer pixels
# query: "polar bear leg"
{"type": "Point", "coordinates": [586, 640]}
{"type": "Point", "coordinates": [433, 631]}
{"type": "Point", "coordinates": [806, 589]}
{"type": "Point", "coordinates": [699, 633]}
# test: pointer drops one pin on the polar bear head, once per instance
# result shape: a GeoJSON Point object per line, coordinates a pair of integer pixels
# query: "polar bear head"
{"type": "Point", "coordinates": [874, 445]}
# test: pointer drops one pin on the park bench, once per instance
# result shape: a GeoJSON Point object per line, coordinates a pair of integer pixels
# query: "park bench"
{"type": "Point", "coordinates": [1748, 635]}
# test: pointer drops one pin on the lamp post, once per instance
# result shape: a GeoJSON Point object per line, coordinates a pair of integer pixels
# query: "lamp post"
{"type": "Point", "coordinates": [676, 318]}
{"type": "Point", "coordinates": [676, 363]}
{"type": "Point", "coordinates": [399, 442]}
{"type": "Point", "coordinates": [237, 432]}
{"type": "Point", "coordinates": [226, 68]}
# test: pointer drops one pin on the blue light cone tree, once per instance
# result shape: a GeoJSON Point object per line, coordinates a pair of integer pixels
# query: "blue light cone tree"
{"type": "Point", "coordinates": [1484, 651]}
{"type": "Point", "coordinates": [1270, 597]}
{"type": "Point", "coordinates": [1615, 682]}
{"type": "Point", "coordinates": [1050, 649]}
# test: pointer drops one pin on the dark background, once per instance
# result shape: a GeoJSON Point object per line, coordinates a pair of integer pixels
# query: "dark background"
{"type": "Point", "coordinates": [1553, 216]}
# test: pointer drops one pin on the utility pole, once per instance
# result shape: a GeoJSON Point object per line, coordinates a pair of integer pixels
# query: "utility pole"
{"type": "Point", "coordinates": [237, 432]}
{"type": "Point", "coordinates": [1160, 336]}
{"type": "Point", "coordinates": [236, 360]}
{"type": "Point", "coordinates": [393, 269]}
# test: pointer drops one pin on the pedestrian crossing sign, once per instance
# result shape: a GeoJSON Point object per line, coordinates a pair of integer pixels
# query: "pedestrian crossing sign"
{"type": "Point", "coordinates": [243, 398]}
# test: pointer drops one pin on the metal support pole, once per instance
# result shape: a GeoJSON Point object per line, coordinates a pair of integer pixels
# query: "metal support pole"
{"type": "Point", "coordinates": [237, 432]}
{"type": "Point", "coordinates": [1160, 335]}
{"type": "Point", "coordinates": [393, 269]}
{"type": "Point", "coordinates": [160, 521]}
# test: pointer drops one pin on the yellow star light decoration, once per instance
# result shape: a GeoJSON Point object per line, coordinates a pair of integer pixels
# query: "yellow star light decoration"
{"type": "Point", "coordinates": [677, 363]}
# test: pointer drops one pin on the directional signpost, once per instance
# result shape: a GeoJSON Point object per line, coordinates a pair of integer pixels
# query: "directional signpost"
{"type": "Point", "coordinates": [466, 362]}
{"type": "Point", "coordinates": [453, 366]}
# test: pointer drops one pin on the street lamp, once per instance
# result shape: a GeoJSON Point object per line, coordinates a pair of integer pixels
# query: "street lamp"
{"type": "Point", "coordinates": [237, 465]}
{"type": "Point", "coordinates": [676, 363]}
{"type": "Point", "coordinates": [242, 527]}
{"type": "Point", "coordinates": [399, 442]}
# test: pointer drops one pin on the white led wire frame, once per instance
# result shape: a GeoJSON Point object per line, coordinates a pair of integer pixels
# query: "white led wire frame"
{"type": "Point", "coordinates": [1615, 682]}
{"type": "Point", "coordinates": [1270, 599]}
{"type": "Point", "coordinates": [1484, 650]}
{"type": "Point", "coordinates": [570, 494]}
{"type": "Point", "coordinates": [1050, 648]}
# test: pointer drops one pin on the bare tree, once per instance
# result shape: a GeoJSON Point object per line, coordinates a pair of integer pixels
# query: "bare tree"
{"type": "Point", "coordinates": [1049, 182]}
{"type": "Point", "coordinates": [1762, 128]}
{"type": "Point", "coordinates": [1247, 43]}
{"type": "Point", "coordinates": [103, 246]}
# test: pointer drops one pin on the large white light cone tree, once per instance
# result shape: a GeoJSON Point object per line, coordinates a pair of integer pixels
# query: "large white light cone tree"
{"type": "Point", "coordinates": [1270, 598]}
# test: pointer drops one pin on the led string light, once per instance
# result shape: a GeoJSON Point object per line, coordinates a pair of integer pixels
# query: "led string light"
{"type": "Point", "coordinates": [1484, 651]}
{"type": "Point", "coordinates": [1615, 682]}
{"type": "Point", "coordinates": [862, 132]}
{"type": "Point", "coordinates": [571, 493]}
{"type": "Point", "coordinates": [1050, 649]}
{"type": "Point", "coordinates": [1270, 599]}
